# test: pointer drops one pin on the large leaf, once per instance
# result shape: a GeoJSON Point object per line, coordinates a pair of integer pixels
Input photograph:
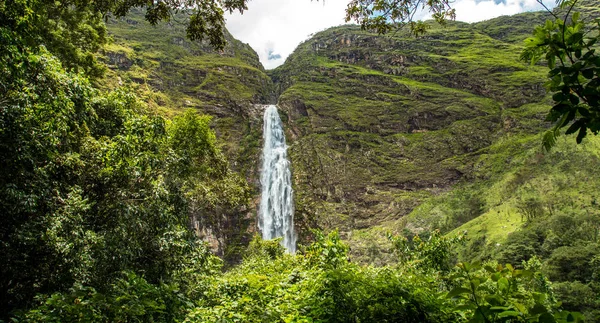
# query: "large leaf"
{"type": "Point", "coordinates": [458, 291]}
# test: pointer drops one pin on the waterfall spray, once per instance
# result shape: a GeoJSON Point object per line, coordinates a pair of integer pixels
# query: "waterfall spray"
{"type": "Point", "coordinates": [276, 213]}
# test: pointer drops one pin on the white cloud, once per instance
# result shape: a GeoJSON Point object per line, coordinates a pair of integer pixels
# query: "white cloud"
{"type": "Point", "coordinates": [275, 27]}
{"type": "Point", "coordinates": [278, 26]}
{"type": "Point", "coordinates": [473, 11]}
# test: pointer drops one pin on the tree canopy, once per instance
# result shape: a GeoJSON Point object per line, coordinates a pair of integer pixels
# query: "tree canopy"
{"type": "Point", "coordinates": [74, 31]}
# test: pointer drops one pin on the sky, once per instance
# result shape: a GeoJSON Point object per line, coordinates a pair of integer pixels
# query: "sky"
{"type": "Point", "coordinates": [274, 28]}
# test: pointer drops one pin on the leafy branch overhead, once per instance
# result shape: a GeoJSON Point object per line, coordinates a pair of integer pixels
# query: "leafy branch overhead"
{"type": "Point", "coordinates": [568, 44]}
{"type": "Point", "coordinates": [386, 15]}
{"type": "Point", "coordinates": [205, 16]}
{"type": "Point", "coordinates": [74, 30]}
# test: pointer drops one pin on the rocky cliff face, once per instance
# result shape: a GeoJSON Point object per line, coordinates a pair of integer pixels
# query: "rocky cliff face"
{"type": "Point", "coordinates": [380, 124]}
{"type": "Point", "coordinates": [173, 73]}
{"type": "Point", "coordinates": [397, 134]}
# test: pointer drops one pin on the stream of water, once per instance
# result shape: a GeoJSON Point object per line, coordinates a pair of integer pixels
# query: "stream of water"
{"type": "Point", "coordinates": [276, 212]}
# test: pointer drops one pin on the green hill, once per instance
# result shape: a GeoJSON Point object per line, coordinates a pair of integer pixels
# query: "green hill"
{"type": "Point", "coordinates": [173, 73]}
{"type": "Point", "coordinates": [404, 135]}
{"type": "Point", "coordinates": [381, 124]}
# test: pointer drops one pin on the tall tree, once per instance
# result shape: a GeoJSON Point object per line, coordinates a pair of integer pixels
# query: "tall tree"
{"type": "Point", "coordinates": [91, 184]}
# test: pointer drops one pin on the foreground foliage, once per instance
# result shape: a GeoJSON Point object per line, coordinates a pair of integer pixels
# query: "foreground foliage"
{"type": "Point", "coordinates": [568, 44]}
{"type": "Point", "coordinates": [319, 284]}
{"type": "Point", "coordinates": [322, 285]}
{"type": "Point", "coordinates": [92, 186]}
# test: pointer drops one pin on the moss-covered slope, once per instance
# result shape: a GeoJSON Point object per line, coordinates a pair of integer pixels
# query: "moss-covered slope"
{"type": "Point", "coordinates": [380, 125]}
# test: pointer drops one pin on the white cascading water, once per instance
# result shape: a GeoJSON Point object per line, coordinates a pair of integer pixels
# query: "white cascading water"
{"type": "Point", "coordinates": [276, 213]}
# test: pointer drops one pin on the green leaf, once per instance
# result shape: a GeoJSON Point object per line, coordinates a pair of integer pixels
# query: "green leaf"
{"type": "Point", "coordinates": [554, 72]}
{"type": "Point", "coordinates": [574, 127]}
{"type": "Point", "coordinates": [582, 133]}
{"type": "Point", "coordinates": [538, 309]}
{"type": "Point", "coordinates": [567, 118]}
{"type": "Point", "coordinates": [495, 277]}
{"type": "Point", "coordinates": [590, 44]}
{"type": "Point", "coordinates": [559, 97]}
{"type": "Point", "coordinates": [509, 314]}
{"type": "Point", "coordinates": [588, 73]}
{"type": "Point", "coordinates": [583, 111]}
{"type": "Point", "coordinates": [575, 38]}
{"type": "Point", "coordinates": [539, 297]}
{"type": "Point", "coordinates": [495, 299]}
{"type": "Point", "coordinates": [478, 317]}
{"type": "Point", "coordinates": [503, 284]}
{"type": "Point", "coordinates": [475, 282]}
{"type": "Point", "coordinates": [574, 99]}
{"type": "Point", "coordinates": [527, 273]}
{"type": "Point", "coordinates": [458, 291]}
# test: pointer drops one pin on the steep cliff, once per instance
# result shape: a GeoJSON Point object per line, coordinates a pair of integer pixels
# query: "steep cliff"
{"type": "Point", "coordinates": [395, 133]}
{"type": "Point", "coordinates": [172, 73]}
{"type": "Point", "coordinates": [387, 133]}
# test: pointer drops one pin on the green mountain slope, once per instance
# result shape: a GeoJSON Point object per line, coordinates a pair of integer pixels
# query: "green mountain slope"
{"type": "Point", "coordinates": [393, 133]}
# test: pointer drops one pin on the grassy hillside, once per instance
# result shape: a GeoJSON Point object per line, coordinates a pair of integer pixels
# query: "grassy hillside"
{"type": "Point", "coordinates": [403, 135]}
{"type": "Point", "coordinates": [381, 124]}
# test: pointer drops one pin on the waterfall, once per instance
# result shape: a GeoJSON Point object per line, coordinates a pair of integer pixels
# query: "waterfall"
{"type": "Point", "coordinates": [276, 213]}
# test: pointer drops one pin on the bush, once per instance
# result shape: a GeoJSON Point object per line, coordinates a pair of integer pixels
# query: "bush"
{"type": "Point", "coordinates": [576, 296]}
{"type": "Point", "coordinates": [131, 299]}
{"type": "Point", "coordinates": [521, 246]}
{"type": "Point", "coordinates": [573, 263]}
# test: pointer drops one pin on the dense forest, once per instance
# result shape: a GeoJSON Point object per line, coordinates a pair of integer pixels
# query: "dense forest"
{"type": "Point", "coordinates": [428, 186]}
